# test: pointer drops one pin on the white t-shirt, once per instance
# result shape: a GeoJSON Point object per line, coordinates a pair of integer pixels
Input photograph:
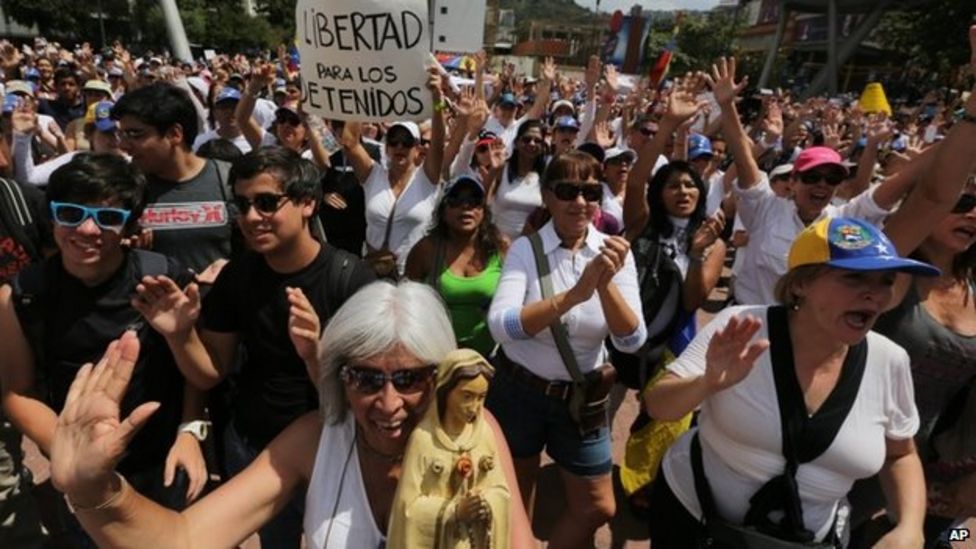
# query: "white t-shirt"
{"type": "Point", "coordinates": [716, 193]}
{"type": "Point", "coordinates": [773, 223]}
{"type": "Point", "coordinates": [337, 512]}
{"type": "Point", "coordinates": [741, 439]}
{"type": "Point", "coordinates": [412, 217]}
{"type": "Point", "coordinates": [514, 201]}
{"type": "Point", "coordinates": [240, 141]}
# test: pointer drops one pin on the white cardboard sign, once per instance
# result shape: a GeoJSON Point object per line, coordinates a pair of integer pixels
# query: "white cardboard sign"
{"type": "Point", "coordinates": [364, 60]}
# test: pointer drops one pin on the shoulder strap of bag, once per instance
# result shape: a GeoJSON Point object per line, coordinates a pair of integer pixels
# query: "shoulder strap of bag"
{"type": "Point", "coordinates": [804, 438]}
{"type": "Point", "coordinates": [702, 487]}
{"type": "Point", "coordinates": [16, 216]}
{"type": "Point", "coordinates": [558, 330]}
{"type": "Point", "coordinates": [434, 277]}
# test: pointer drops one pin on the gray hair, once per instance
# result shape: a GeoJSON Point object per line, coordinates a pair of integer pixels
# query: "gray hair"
{"type": "Point", "coordinates": [373, 321]}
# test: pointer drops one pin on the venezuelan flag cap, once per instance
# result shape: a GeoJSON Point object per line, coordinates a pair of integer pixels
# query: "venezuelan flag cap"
{"type": "Point", "coordinates": [852, 244]}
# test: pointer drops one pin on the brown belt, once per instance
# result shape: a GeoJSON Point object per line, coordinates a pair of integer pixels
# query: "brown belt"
{"type": "Point", "coordinates": [555, 389]}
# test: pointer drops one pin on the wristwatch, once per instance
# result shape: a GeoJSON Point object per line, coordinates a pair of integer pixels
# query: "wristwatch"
{"type": "Point", "coordinates": [199, 429]}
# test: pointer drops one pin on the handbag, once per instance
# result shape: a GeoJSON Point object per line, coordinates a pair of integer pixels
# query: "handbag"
{"type": "Point", "coordinates": [805, 437]}
{"type": "Point", "coordinates": [589, 395]}
{"type": "Point", "coordinates": [383, 260]}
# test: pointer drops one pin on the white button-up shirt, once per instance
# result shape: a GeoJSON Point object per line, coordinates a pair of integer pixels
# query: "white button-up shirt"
{"type": "Point", "coordinates": [773, 223]}
{"type": "Point", "coordinates": [585, 323]}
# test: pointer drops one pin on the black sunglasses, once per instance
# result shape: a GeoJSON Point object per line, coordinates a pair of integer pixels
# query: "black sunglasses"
{"type": "Point", "coordinates": [569, 190]}
{"type": "Point", "coordinates": [469, 200]}
{"type": "Point", "coordinates": [405, 142]}
{"type": "Point", "coordinates": [832, 178]}
{"type": "Point", "coordinates": [369, 381]}
{"type": "Point", "coordinates": [264, 203]}
{"type": "Point", "coordinates": [530, 140]}
{"type": "Point", "coordinates": [965, 204]}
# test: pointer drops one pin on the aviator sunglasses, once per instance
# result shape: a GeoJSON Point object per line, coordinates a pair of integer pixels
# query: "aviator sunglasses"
{"type": "Point", "coordinates": [369, 381]}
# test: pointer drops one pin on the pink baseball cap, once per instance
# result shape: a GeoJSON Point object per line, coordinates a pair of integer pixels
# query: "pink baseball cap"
{"type": "Point", "coordinates": [817, 156]}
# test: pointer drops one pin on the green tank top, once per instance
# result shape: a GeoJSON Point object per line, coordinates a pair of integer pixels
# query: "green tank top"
{"type": "Point", "coordinates": [467, 300]}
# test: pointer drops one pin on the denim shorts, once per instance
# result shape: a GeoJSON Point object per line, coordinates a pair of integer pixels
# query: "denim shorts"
{"type": "Point", "coordinates": [533, 421]}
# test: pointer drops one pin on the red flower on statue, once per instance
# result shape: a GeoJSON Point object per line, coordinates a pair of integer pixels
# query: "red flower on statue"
{"type": "Point", "coordinates": [464, 466]}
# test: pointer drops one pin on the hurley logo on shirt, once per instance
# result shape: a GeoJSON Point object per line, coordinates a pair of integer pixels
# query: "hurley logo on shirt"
{"type": "Point", "coordinates": [184, 215]}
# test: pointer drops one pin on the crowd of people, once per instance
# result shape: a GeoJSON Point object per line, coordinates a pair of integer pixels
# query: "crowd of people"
{"type": "Point", "coordinates": [222, 315]}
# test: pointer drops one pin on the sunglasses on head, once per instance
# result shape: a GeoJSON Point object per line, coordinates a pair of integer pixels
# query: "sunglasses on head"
{"type": "Point", "coordinates": [569, 190]}
{"type": "Point", "coordinates": [67, 214]}
{"type": "Point", "coordinates": [369, 381]}
{"type": "Point", "coordinates": [813, 177]}
{"type": "Point", "coordinates": [264, 203]}
{"type": "Point", "coordinates": [965, 204]}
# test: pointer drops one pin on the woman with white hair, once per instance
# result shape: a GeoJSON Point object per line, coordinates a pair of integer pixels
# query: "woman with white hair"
{"type": "Point", "coordinates": [378, 362]}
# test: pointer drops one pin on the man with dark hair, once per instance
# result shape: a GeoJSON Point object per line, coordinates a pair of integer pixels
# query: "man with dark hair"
{"type": "Point", "coordinates": [286, 284]}
{"type": "Point", "coordinates": [58, 314]}
{"type": "Point", "coordinates": [69, 104]}
{"type": "Point", "coordinates": [187, 215]}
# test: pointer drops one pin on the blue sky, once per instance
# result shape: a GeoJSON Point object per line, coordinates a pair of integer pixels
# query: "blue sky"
{"type": "Point", "coordinates": [625, 5]}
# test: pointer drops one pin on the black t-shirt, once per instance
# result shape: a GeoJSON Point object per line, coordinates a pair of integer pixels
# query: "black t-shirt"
{"type": "Point", "coordinates": [70, 324]}
{"type": "Point", "coordinates": [62, 112]}
{"type": "Point", "coordinates": [14, 254]}
{"type": "Point", "coordinates": [345, 228]}
{"type": "Point", "coordinates": [192, 220]}
{"type": "Point", "coordinates": [248, 298]}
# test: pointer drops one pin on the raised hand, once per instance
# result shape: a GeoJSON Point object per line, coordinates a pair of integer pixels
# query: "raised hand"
{"type": "Point", "coordinates": [24, 120]}
{"type": "Point", "coordinates": [612, 79]}
{"type": "Point", "coordinates": [879, 130]}
{"type": "Point", "coordinates": [773, 123]}
{"type": "Point", "coordinates": [601, 134]}
{"type": "Point", "coordinates": [548, 70]}
{"type": "Point", "coordinates": [682, 105]}
{"type": "Point", "coordinates": [722, 81]}
{"type": "Point", "coordinates": [168, 309]}
{"type": "Point", "coordinates": [831, 135]}
{"type": "Point", "coordinates": [304, 329]}
{"type": "Point", "coordinates": [479, 115]}
{"type": "Point", "coordinates": [262, 77]}
{"type": "Point", "coordinates": [498, 153]}
{"type": "Point", "coordinates": [480, 60]}
{"type": "Point", "coordinates": [434, 82]}
{"type": "Point", "coordinates": [592, 74]}
{"type": "Point", "coordinates": [90, 437]}
{"type": "Point", "coordinates": [731, 356]}
{"type": "Point", "coordinates": [465, 103]}
{"type": "Point", "coordinates": [707, 233]}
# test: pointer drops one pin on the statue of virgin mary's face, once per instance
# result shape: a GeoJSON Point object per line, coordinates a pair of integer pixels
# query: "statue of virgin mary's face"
{"type": "Point", "coordinates": [464, 403]}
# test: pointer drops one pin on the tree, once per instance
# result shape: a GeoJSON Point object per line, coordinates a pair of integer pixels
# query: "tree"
{"type": "Point", "coordinates": [932, 36]}
{"type": "Point", "coordinates": [69, 18]}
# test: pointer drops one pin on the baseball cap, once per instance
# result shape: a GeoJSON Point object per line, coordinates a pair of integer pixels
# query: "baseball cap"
{"type": "Point", "coordinates": [508, 100]}
{"type": "Point", "coordinates": [33, 73]}
{"type": "Point", "coordinates": [115, 71]}
{"type": "Point", "coordinates": [698, 146]}
{"type": "Point", "coordinates": [411, 127]}
{"type": "Point", "coordinates": [20, 86]}
{"type": "Point", "coordinates": [852, 244]}
{"type": "Point", "coordinates": [485, 137]}
{"type": "Point", "coordinates": [817, 156]}
{"type": "Point", "coordinates": [781, 170]}
{"type": "Point", "coordinates": [99, 86]}
{"type": "Point", "coordinates": [617, 152]}
{"type": "Point", "coordinates": [100, 114]}
{"type": "Point", "coordinates": [285, 111]}
{"type": "Point", "coordinates": [464, 182]}
{"type": "Point", "coordinates": [563, 103]}
{"type": "Point", "coordinates": [227, 93]}
{"type": "Point", "coordinates": [10, 102]}
{"type": "Point", "coordinates": [566, 122]}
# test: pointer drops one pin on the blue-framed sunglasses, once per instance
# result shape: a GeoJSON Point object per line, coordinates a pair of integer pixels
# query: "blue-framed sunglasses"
{"type": "Point", "coordinates": [67, 214]}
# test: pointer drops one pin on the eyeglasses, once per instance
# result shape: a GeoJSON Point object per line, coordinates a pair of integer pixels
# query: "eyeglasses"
{"type": "Point", "coordinates": [264, 203]}
{"type": "Point", "coordinates": [569, 190]}
{"type": "Point", "coordinates": [133, 134]}
{"type": "Point", "coordinates": [965, 204]}
{"type": "Point", "coordinates": [404, 142]}
{"type": "Point", "coordinates": [464, 200]}
{"type": "Point", "coordinates": [369, 381]}
{"type": "Point", "coordinates": [832, 178]}
{"type": "Point", "coordinates": [67, 214]}
{"type": "Point", "coordinates": [532, 140]}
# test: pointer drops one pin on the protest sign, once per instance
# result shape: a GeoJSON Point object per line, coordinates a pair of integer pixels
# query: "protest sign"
{"type": "Point", "coordinates": [364, 59]}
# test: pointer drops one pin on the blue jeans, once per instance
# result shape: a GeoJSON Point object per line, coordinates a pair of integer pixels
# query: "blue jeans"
{"type": "Point", "coordinates": [533, 421]}
{"type": "Point", "coordinates": [284, 531]}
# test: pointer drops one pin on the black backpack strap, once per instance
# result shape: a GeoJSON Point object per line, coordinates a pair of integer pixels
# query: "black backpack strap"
{"type": "Point", "coordinates": [28, 297]}
{"type": "Point", "coordinates": [16, 217]}
{"type": "Point", "coordinates": [702, 487]}
{"type": "Point", "coordinates": [804, 437]}
{"type": "Point", "coordinates": [338, 276]}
